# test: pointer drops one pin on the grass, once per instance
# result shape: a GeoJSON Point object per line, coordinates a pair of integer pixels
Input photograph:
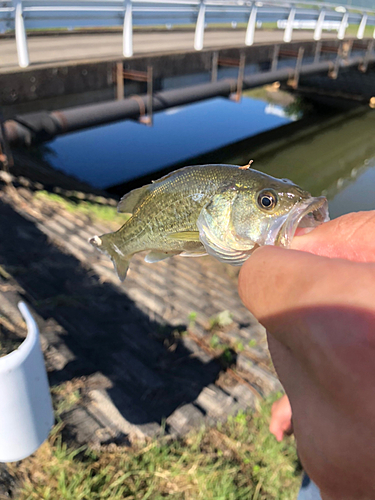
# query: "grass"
{"type": "Point", "coordinates": [96, 211]}
{"type": "Point", "coordinates": [352, 29]}
{"type": "Point", "coordinates": [221, 320]}
{"type": "Point", "coordinates": [236, 460]}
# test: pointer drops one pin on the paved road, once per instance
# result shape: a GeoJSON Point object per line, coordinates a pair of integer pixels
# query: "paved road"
{"type": "Point", "coordinates": [61, 49]}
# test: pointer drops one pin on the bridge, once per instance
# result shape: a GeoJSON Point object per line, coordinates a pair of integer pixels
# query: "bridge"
{"type": "Point", "coordinates": [68, 48]}
{"type": "Point", "coordinates": [26, 16]}
{"type": "Point", "coordinates": [141, 69]}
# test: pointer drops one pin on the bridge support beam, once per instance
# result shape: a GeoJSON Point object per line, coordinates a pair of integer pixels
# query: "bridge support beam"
{"type": "Point", "coordinates": [370, 48]}
{"type": "Point", "coordinates": [21, 39]}
{"type": "Point", "coordinates": [39, 127]}
{"type": "Point", "coordinates": [289, 26]}
{"type": "Point", "coordinates": [293, 82]}
{"type": "Point", "coordinates": [199, 28]}
{"type": "Point", "coordinates": [127, 37]}
{"type": "Point", "coordinates": [319, 25]}
{"type": "Point", "coordinates": [250, 31]}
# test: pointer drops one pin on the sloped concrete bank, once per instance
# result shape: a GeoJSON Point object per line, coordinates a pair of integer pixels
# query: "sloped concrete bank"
{"type": "Point", "coordinates": [170, 349]}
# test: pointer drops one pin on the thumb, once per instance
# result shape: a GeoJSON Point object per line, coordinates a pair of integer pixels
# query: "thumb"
{"type": "Point", "coordinates": [348, 237]}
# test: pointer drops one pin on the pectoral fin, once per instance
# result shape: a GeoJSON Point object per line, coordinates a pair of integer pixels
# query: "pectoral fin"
{"type": "Point", "coordinates": [185, 236]}
{"type": "Point", "coordinates": [198, 253]}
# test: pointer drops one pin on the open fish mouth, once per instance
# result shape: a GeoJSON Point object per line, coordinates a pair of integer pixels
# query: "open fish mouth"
{"type": "Point", "coordinates": [303, 218]}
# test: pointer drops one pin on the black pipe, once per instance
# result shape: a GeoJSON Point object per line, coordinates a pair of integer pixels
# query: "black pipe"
{"type": "Point", "coordinates": [39, 127]}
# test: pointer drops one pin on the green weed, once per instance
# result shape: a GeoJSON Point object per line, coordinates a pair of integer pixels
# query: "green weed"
{"type": "Point", "coordinates": [95, 211]}
{"type": "Point", "coordinates": [236, 460]}
{"type": "Point", "coordinates": [221, 320]}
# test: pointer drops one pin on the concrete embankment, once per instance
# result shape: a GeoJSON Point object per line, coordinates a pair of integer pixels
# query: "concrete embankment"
{"type": "Point", "coordinates": [174, 342]}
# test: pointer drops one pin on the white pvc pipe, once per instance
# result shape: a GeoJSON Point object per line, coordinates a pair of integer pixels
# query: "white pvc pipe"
{"type": "Point", "coordinates": [289, 26]}
{"type": "Point", "coordinates": [319, 25]}
{"type": "Point", "coordinates": [199, 28]}
{"type": "Point", "coordinates": [127, 39]}
{"type": "Point", "coordinates": [362, 27]}
{"type": "Point", "coordinates": [26, 414]}
{"type": "Point", "coordinates": [21, 39]}
{"type": "Point", "coordinates": [250, 31]}
{"type": "Point", "coordinates": [342, 28]}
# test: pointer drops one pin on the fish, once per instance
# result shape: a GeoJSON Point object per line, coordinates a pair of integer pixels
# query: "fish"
{"type": "Point", "coordinates": [221, 210]}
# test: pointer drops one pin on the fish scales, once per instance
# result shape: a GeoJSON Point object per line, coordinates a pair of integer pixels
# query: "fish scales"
{"type": "Point", "coordinates": [215, 209]}
{"type": "Point", "coordinates": [172, 204]}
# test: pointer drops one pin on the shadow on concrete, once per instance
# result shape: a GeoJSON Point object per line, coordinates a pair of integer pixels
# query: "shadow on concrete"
{"type": "Point", "coordinates": [101, 330]}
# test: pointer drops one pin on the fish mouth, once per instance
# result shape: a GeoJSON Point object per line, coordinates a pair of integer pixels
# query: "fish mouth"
{"type": "Point", "coordinates": [303, 218]}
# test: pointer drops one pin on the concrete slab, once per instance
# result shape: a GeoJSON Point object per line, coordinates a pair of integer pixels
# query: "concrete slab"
{"type": "Point", "coordinates": [137, 357]}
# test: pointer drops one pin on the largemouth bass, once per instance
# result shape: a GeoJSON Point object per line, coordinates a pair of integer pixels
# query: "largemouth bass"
{"type": "Point", "coordinates": [221, 210]}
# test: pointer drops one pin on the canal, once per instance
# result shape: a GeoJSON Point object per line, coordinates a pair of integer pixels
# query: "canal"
{"type": "Point", "coordinates": [331, 153]}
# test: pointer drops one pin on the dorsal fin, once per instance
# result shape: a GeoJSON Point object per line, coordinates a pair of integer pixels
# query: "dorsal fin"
{"type": "Point", "coordinates": [130, 200]}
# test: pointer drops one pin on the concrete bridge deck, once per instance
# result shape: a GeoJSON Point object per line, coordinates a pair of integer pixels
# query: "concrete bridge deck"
{"type": "Point", "coordinates": [66, 49]}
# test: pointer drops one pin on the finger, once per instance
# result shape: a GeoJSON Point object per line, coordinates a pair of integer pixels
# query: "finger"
{"type": "Point", "coordinates": [274, 280]}
{"type": "Point", "coordinates": [351, 237]}
{"type": "Point", "coordinates": [276, 431]}
{"type": "Point", "coordinates": [282, 287]}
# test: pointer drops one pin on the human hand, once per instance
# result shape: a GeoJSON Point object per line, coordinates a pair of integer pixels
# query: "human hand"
{"type": "Point", "coordinates": [281, 418]}
{"type": "Point", "coordinates": [320, 313]}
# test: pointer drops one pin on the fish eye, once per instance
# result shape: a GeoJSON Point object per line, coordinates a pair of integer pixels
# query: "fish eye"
{"type": "Point", "coordinates": [267, 200]}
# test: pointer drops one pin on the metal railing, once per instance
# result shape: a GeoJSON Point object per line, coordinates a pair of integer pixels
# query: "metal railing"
{"type": "Point", "coordinates": [20, 15]}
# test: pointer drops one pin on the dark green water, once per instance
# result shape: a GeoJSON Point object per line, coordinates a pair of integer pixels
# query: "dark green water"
{"type": "Point", "coordinates": [335, 158]}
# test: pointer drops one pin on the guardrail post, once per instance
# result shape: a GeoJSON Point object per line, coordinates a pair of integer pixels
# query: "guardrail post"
{"type": "Point", "coordinates": [199, 28]}
{"type": "Point", "coordinates": [127, 37]}
{"type": "Point", "coordinates": [342, 28]}
{"type": "Point", "coordinates": [249, 38]}
{"type": "Point", "coordinates": [289, 26]}
{"type": "Point", "coordinates": [21, 39]}
{"type": "Point", "coordinates": [319, 25]}
{"type": "Point", "coordinates": [362, 26]}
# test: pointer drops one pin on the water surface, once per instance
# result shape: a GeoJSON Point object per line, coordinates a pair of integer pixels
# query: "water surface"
{"type": "Point", "coordinates": [334, 157]}
{"type": "Point", "coordinates": [116, 153]}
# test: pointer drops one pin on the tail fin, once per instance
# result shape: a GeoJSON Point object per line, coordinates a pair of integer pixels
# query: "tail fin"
{"type": "Point", "coordinates": [120, 261]}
